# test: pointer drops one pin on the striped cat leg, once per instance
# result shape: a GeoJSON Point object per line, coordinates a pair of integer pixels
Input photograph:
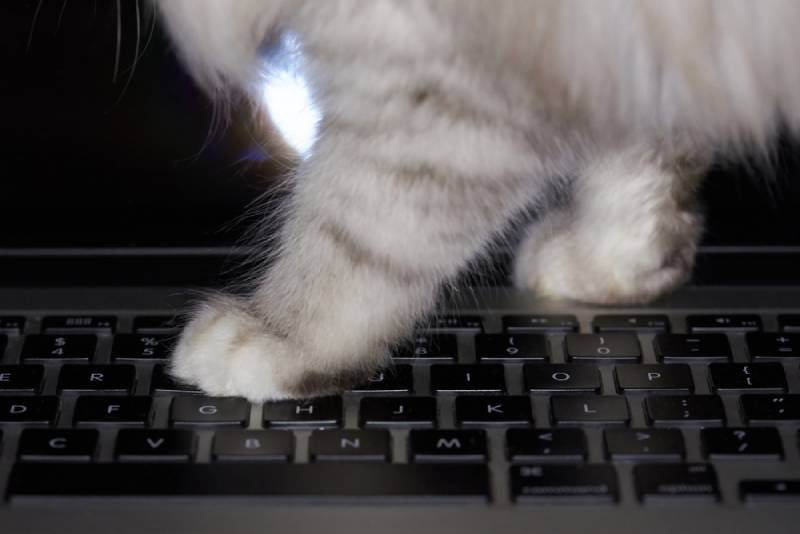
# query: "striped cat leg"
{"type": "Point", "coordinates": [370, 239]}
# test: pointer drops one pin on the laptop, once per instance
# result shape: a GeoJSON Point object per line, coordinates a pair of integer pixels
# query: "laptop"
{"type": "Point", "coordinates": [507, 414]}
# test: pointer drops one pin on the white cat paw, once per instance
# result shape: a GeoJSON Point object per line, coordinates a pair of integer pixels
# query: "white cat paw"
{"type": "Point", "coordinates": [607, 265]}
{"type": "Point", "coordinates": [227, 351]}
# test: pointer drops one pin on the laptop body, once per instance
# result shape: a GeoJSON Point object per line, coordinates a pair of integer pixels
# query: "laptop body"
{"type": "Point", "coordinates": [118, 207]}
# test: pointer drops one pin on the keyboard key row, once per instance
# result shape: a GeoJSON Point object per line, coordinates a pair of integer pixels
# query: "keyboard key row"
{"type": "Point", "coordinates": [618, 347]}
{"type": "Point", "coordinates": [424, 445]}
{"type": "Point", "coordinates": [384, 482]}
{"type": "Point", "coordinates": [512, 410]}
{"type": "Point", "coordinates": [486, 378]}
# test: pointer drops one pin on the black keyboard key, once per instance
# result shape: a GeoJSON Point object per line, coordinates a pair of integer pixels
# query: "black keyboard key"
{"type": "Point", "coordinates": [677, 410]}
{"type": "Point", "coordinates": [3, 344]}
{"type": "Point", "coordinates": [637, 378]}
{"type": "Point", "coordinates": [589, 410]}
{"type": "Point", "coordinates": [564, 483]}
{"type": "Point", "coordinates": [487, 378]}
{"type": "Point", "coordinates": [546, 445]}
{"type": "Point", "coordinates": [319, 412]}
{"type": "Point", "coordinates": [79, 324]}
{"type": "Point", "coordinates": [462, 446]}
{"type": "Point", "coordinates": [253, 446]}
{"type": "Point", "coordinates": [105, 378]}
{"type": "Point", "coordinates": [164, 383]}
{"type": "Point", "coordinates": [79, 347]}
{"type": "Point", "coordinates": [494, 410]}
{"type": "Point", "coordinates": [397, 412]}
{"type": "Point", "coordinates": [697, 324]}
{"type": "Point", "coordinates": [349, 445]}
{"type": "Point", "coordinates": [560, 378]}
{"type": "Point", "coordinates": [539, 323]}
{"type": "Point", "coordinates": [511, 347]}
{"type": "Point", "coordinates": [14, 325]}
{"type": "Point", "coordinates": [662, 444]}
{"type": "Point", "coordinates": [667, 482]}
{"type": "Point", "coordinates": [156, 324]}
{"type": "Point", "coordinates": [141, 347]}
{"type": "Point", "coordinates": [21, 378]}
{"type": "Point", "coordinates": [424, 482]}
{"type": "Point", "coordinates": [37, 410]}
{"type": "Point", "coordinates": [435, 347]}
{"type": "Point", "coordinates": [771, 408]}
{"type": "Point", "coordinates": [789, 322]}
{"type": "Point", "coordinates": [747, 376]}
{"type": "Point", "coordinates": [631, 323]}
{"type": "Point", "coordinates": [769, 491]}
{"type": "Point", "coordinates": [749, 443]}
{"type": "Point", "coordinates": [773, 346]}
{"type": "Point", "coordinates": [455, 324]}
{"type": "Point", "coordinates": [683, 347]}
{"type": "Point", "coordinates": [395, 379]}
{"type": "Point", "coordinates": [140, 445]}
{"type": "Point", "coordinates": [603, 347]}
{"type": "Point", "coordinates": [41, 445]}
{"type": "Point", "coordinates": [112, 410]}
{"type": "Point", "coordinates": [209, 411]}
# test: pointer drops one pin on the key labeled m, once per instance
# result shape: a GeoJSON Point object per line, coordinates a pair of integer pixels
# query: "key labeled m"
{"type": "Point", "coordinates": [452, 443]}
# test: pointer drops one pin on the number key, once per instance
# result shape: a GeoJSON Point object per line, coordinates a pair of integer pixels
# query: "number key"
{"type": "Point", "coordinates": [141, 347]}
{"type": "Point", "coordinates": [513, 347]}
{"type": "Point", "coordinates": [773, 346]}
{"type": "Point", "coordinates": [442, 347]}
{"type": "Point", "coordinates": [682, 347]}
{"type": "Point", "coordinates": [78, 347]}
{"type": "Point", "coordinates": [617, 347]}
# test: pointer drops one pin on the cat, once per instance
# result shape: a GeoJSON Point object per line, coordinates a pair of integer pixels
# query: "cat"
{"type": "Point", "coordinates": [442, 122]}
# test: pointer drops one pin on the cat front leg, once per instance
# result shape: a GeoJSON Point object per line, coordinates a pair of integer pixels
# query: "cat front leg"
{"type": "Point", "coordinates": [629, 234]}
{"type": "Point", "coordinates": [377, 222]}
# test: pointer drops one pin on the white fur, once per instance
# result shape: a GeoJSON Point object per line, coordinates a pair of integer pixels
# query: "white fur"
{"type": "Point", "coordinates": [442, 121]}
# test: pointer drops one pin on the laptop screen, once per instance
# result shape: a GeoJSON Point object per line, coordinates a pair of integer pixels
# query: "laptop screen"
{"type": "Point", "coordinates": [99, 152]}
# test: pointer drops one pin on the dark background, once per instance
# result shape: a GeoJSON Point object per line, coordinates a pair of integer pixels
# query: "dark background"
{"type": "Point", "coordinates": [90, 159]}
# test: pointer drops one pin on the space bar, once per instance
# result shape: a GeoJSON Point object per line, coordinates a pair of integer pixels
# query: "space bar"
{"type": "Point", "coordinates": [305, 481]}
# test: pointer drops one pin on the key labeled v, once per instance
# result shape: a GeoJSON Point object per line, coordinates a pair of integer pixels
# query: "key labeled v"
{"type": "Point", "coordinates": [155, 443]}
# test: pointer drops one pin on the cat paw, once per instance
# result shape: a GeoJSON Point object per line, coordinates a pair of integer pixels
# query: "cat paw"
{"type": "Point", "coordinates": [227, 351]}
{"type": "Point", "coordinates": [613, 265]}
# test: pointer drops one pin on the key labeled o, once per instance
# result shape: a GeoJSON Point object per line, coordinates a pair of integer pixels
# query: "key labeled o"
{"type": "Point", "coordinates": [208, 409]}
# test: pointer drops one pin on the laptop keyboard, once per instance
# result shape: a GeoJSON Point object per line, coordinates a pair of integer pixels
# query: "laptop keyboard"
{"type": "Point", "coordinates": [497, 408]}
